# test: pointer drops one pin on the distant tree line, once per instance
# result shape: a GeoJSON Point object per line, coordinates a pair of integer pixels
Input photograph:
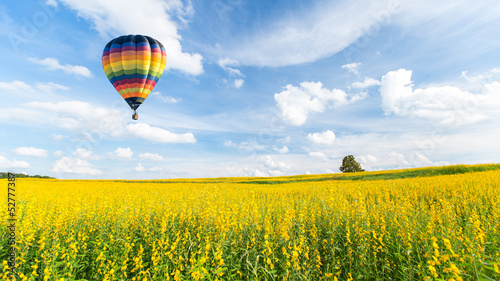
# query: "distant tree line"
{"type": "Point", "coordinates": [19, 175]}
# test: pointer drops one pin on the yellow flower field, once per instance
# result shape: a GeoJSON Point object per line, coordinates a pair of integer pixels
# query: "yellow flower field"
{"type": "Point", "coordinates": [423, 228]}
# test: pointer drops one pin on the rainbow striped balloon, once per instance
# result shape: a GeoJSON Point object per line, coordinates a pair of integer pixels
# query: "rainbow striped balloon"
{"type": "Point", "coordinates": [134, 64]}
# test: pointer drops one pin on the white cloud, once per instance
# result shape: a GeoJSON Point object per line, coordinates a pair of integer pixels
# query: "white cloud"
{"type": "Point", "coordinates": [269, 162]}
{"type": "Point", "coordinates": [156, 134]}
{"type": "Point", "coordinates": [282, 150]}
{"type": "Point", "coordinates": [368, 82]}
{"type": "Point", "coordinates": [238, 83]}
{"type": "Point", "coordinates": [326, 137]}
{"type": "Point", "coordinates": [52, 3]}
{"type": "Point", "coordinates": [166, 99]}
{"type": "Point", "coordinates": [226, 64]}
{"type": "Point", "coordinates": [139, 168]}
{"type": "Point", "coordinates": [251, 145]}
{"type": "Point", "coordinates": [31, 151]}
{"type": "Point", "coordinates": [59, 153]}
{"type": "Point", "coordinates": [258, 173]}
{"type": "Point", "coordinates": [229, 143]}
{"type": "Point", "coordinates": [287, 139]}
{"type": "Point", "coordinates": [53, 64]}
{"type": "Point", "coordinates": [367, 161]}
{"type": "Point", "coordinates": [15, 86]}
{"type": "Point", "coordinates": [352, 67]}
{"type": "Point", "coordinates": [296, 103]}
{"type": "Point", "coordinates": [74, 116]}
{"type": "Point", "coordinates": [152, 17]}
{"type": "Point", "coordinates": [71, 165]}
{"type": "Point", "coordinates": [23, 88]}
{"type": "Point", "coordinates": [93, 122]}
{"type": "Point", "coordinates": [123, 153]}
{"type": "Point", "coordinates": [309, 35]}
{"type": "Point", "coordinates": [264, 166]}
{"type": "Point", "coordinates": [319, 155]}
{"type": "Point", "coordinates": [446, 105]}
{"type": "Point", "coordinates": [50, 87]}
{"type": "Point", "coordinates": [12, 164]}
{"type": "Point", "coordinates": [85, 154]}
{"type": "Point", "coordinates": [151, 156]}
{"type": "Point", "coordinates": [57, 137]}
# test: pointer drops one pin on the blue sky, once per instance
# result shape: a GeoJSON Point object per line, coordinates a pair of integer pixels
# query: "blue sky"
{"type": "Point", "coordinates": [251, 88]}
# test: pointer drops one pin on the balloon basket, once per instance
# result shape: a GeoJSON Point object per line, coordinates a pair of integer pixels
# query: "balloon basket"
{"type": "Point", "coordinates": [135, 116]}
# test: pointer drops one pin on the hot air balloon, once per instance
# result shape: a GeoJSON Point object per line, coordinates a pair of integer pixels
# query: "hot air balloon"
{"type": "Point", "coordinates": [134, 64]}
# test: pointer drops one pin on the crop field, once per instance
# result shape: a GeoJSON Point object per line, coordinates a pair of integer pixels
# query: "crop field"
{"type": "Point", "coordinates": [419, 224]}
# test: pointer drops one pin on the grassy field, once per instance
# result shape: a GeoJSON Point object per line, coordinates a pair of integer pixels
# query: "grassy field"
{"type": "Point", "coordinates": [440, 223]}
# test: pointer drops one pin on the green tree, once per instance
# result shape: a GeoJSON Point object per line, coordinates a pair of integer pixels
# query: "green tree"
{"type": "Point", "coordinates": [350, 165]}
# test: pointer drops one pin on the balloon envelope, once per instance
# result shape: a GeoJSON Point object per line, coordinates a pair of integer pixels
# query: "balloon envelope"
{"type": "Point", "coordinates": [134, 64]}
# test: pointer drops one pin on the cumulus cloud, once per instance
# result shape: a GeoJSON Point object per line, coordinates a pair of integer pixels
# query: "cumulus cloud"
{"type": "Point", "coordinates": [151, 156]}
{"type": "Point", "coordinates": [72, 165]}
{"type": "Point", "coordinates": [12, 164]}
{"type": "Point", "coordinates": [352, 67]}
{"type": "Point", "coordinates": [296, 103]}
{"type": "Point", "coordinates": [157, 18]}
{"type": "Point", "coordinates": [368, 82]}
{"type": "Point", "coordinates": [238, 83]}
{"type": "Point", "coordinates": [31, 151]}
{"type": "Point", "coordinates": [156, 134]}
{"type": "Point", "coordinates": [53, 64]}
{"type": "Point", "coordinates": [326, 137]}
{"type": "Point", "coordinates": [445, 105]}
{"type": "Point", "coordinates": [123, 153]}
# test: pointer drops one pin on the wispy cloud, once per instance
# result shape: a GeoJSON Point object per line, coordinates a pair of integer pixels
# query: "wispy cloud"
{"type": "Point", "coordinates": [309, 36]}
{"type": "Point", "coordinates": [352, 67]}
{"type": "Point", "coordinates": [53, 64]}
{"type": "Point", "coordinates": [22, 87]}
{"type": "Point", "coordinates": [31, 151]}
{"type": "Point", "coordinates": [227, 64]}
{"type": "Point", "coordinates": [165, 99]}
{"type": "Point", "coordinates": [15, 86]}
